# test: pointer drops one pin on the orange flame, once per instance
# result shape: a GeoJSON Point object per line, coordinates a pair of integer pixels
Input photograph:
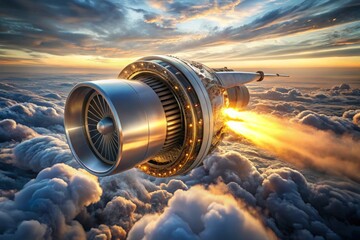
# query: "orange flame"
{"type": "Point", "coordinates": [298, 143]}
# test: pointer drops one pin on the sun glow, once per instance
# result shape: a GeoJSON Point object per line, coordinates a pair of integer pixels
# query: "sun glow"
{"type": "Point", "coordinates": [298, 143]}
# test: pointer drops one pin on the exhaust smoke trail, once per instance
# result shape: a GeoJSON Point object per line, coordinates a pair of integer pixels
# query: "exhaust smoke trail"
{"type": "Point", "coordinates": [297, 143]}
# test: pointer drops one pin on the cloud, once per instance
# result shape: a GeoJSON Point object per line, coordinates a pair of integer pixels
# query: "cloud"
{"type": "Point", "coordinates": [336, 124]}
{"type": "Point", "coordinates": [318, 210]}
{"type": "Point", "coordinates": [290, 102]}
{"type": "Point", "coordinates": [182, 11]}
{"type": "Point", "coordinates": [13, 179]}
{"type": "Point", "coordinates": [53, 95]}
{"type": "Point", "coordinates": [283, 21]}
{"type": "Point", "coordinates": [11, 131]}
{"type": "Point", "coordinates": [16, 94]}
{"type": "Point", "coordinates": [31, 229]}
{"type": "Point", "coordinates": [282, 108]}
{"type": "Point", "coordinates": [41, 152]}
{"type": "Point", "coordinates": [283, 94]}
{"type": "Point", "coordinates": [4, 102]}
{"type": "Point", "coordinates": [200, 214]}
{"type": "Point", "coordinates": [119, 211]}
{"type": "Point", "coordinates": [349, 114]}
{"type": "Point", "coordinates": [88, 28]}
{"type": "Point", "coordinates": [56, 26]}
{"type": "Point", "coordinates": [106, 232]}
{"type": "Point", "coordinates": [106, 28]}
{"type": "Point", "coordinates": [173, 185]}
{"type": "Point", "coordinates": [231, 166]}
{"type": "Point", "coordinates": [313, 43]}
{"type": "Point", "coordinates": [344, 90]}
{"type": "Point", "coordinates": [292, 206]}
{"type": "Point", "coordinates": [338, 203]}
{"type": "Point", "coordinates": [285, 193]}
{"type": "Point", "coordinates": [336, 94]}
{"type": "Point", "coordinates": [353, 115]}
{"type": "Point", "coordinates": [300, 144]}
{"type": "Point", "coordinates": [241, 183]}
{"type": "Point", "coordinates": [127, 197]}
{"type": "Point", "coordinates": [47, 205]}
{"type": "Point", "coordinates": [356, 119]}
{"type": "Point", "coordinates": [31, 114]}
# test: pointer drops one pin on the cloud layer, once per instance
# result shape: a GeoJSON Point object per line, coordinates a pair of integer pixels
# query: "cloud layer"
{"type": "Point", "coordinates": [10, 130]}
{"type": "Point", "coordinates": [241, 190]}
{"type": "Point", "coordinates": [42, 152]}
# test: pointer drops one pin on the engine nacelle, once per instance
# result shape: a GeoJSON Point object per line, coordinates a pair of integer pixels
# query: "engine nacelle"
{"type": "Point", "coordinates": [162, 115]}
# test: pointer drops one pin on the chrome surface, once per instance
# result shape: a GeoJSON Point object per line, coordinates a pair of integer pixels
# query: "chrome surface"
{"type": "Point", "coordinates": [105, 126]}
{"type": "Point", "coordinates": [231, 79]}
{"type": "Point", "coordinates": [238, 97]}
{"type": "Point", "coordinates": [138, 119]}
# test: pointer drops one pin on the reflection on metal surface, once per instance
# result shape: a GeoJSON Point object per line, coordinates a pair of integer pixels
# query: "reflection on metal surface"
{"type": "Point", "coordinates": [162, 115]}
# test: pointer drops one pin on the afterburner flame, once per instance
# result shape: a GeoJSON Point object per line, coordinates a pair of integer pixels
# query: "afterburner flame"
{"type": "Point", "coordinates": [298, 143]}
{"type": "Point", "coordinates": [259, 129]}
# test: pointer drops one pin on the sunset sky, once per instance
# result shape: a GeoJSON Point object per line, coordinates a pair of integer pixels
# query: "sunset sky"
{"type": "Point", "coordinates": [249, 33]}
{"type": "Point", "coordinates": [287, 165]}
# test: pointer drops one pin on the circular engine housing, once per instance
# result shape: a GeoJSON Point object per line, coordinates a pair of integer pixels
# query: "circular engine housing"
{"type": "Point", "coordinates": [162, 115]}
{"type": "Point", "coordinates": [238, 97]}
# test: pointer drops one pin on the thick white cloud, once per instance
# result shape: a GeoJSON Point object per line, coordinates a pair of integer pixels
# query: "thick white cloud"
{"type": "Point", "coordinates": [291, 101]}
{"type": "Point", "coordinates": [10, 130]}
{"type": "Point", "coordinates": [284, 193]}
{"type": "Point", "coordinates": [201, 214]}
{"type": "Point", "coordinates": [119, 211]}
{"type": "Point", "coordinates": [127, 197]}
{"type": "Point", "coordinates": [31, 114]}
{"type": "Point", "coordinates": [30, 229]}
{"type": "Point", "coordinates": [356, 119]}
{"type": "Point", "coordinates": [283, 94]}
{"type": "Point", "coordinates": [292, 206]}
{"type": "Point", "coordinates": [353, 115]}
{"type": "Point", "coordinates": [106, 232]}
{"type": "Point", "coordinates": [52, 200]}
{"type": "Point", "coordinates": [336, 124]}
{"type": "Point", "coordinates": [173, 185]}
{"type": "Point", "coordinates": [42, 152]}
{"type": "Point", "coordinates": [317, 209]}
{"type": "Point", "coordinates": [231, 166]}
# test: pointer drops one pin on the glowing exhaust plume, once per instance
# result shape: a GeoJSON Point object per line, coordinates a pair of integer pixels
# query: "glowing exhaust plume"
{"type": "Point", "coordinates": [297, 143]}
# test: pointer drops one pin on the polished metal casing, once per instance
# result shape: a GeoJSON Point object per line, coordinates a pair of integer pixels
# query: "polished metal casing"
{"type": "Point", "coordinates": [162, 115]}
{"type": "Point", "coordinates": [238, 97]}
{"type": "Point", "coordinates": [138, 118]}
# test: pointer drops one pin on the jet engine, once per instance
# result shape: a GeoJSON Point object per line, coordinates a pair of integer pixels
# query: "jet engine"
{"type": "Point", "coordinates": [162, 115]}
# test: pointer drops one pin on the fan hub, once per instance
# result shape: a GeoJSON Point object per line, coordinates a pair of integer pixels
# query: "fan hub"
{"type": "Point", "coordinates": [105, 126]}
